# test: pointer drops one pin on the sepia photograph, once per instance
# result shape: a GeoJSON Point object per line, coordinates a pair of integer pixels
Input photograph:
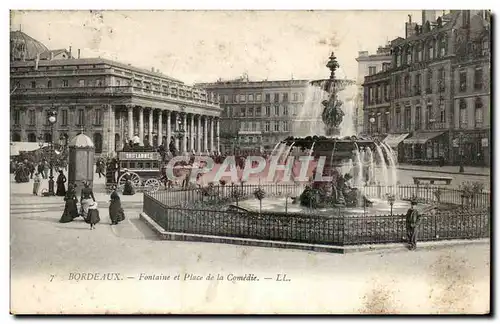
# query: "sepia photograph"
{"type": "Point", "coordinates": [250, 162]}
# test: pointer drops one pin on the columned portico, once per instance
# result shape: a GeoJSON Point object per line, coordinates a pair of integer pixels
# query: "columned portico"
{"type": "Point", "coordinates": [217, 134]}
{"type": "Point", "coordinates": [205, 134]}
{"type": "Point", "coordinates": [150, 127]}
{"type": "Point", "coordinates": [198, 135]}
{"type": "Point", "coordinates": [184, 137]}
{"type": "Point", "coordinates": [160, 130]}
{"type": "Point", "coordinates": [191, 132]}
{"type": "Point", "coordinates": [130, 122]}
{"type": "Point", "coordinates": [141, 124]}
{"type": "Point", "coordinates": [169, 127]}
{"type": "Point", "coordinates": [211, 134]}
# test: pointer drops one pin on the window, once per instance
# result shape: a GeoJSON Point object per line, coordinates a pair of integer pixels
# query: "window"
{"type": "Point", "coordinates": [267, 126]}
{"type": "Point", "coordinates": [285, 110]}
{"type": "Point", "coordinates": [33, 84]}
{"type": "Point", "coordinates": [441, 79]}
{"type": "Point", "coordinates": [478, 79]}
{"type": "Point", "coordinates": [226, 98]}
{"type": "Point", "coordinates": [243, 112]}
{"type": "Point", "coordinates": [418, 83]}
{"type": "Point", "coordinates": [430, 50]}
{"type": "Point", "coordinates": [81, 83]}
{"type": "Point", "coordinates": [463, 114]}
{"type": "Point", "coordinates": [285, 126]}
{"type": "Point", "coordinates": [419, 53]}
{"type": "Point", "coordinates": [486, 47]}
{"type": "Point", "coordinates": [407, 85]}
{"type": "Point", "coordinates": [463, 81]}
{"type": "Point", "coordinates": [65, 83]}
{"type": "Point", "coordinates": [417, 117]}
{"type": "Point", "coordinates": [397, 86]}
{"type": "Point", "coordinates": [478, 113]}
{"type": "Point", "coordinates": [235, 98]}
{"type": "Point", "coordinates": [442, 112]}
{"type": "Point", "coordinates": [258, 97]}
{"type": "Point", "coordinates": [408, 55]}
{"type": "Point", "coordinates": [250, 111]}
{"type": "Point", "coordinates": [429, 119]}
{"type": "Point", "coordinates": [398, 118]}
{"type": "Point", "coordinates": [98, 117]}
{"type": "Point", "coordinates": [31, 117]}
{"type": "Point", "coordinates": [372, 70]}
{"type": "Point", "coordinates": [118, 83]}
{"type": "Point", "coordinates": [371, 96]}
{"type": "Point", "coordinates": [49, 84]}
{"type": "Point", "coordinates": [250, 97]}
{"type": "Point", "coordinates": [428, 88]}
{"type": "Point", "coordinates": [64, 117]}
{"type": "Point", "coordinates": [276, 97]}
{"type": "Point", "coordinates": [398, 60]}
{"type": "Point", "coordinates": [407, 124]}
{"type": "Point", "coordinates": [276, 126]}
{"type": "Point", "coordinates": [442, 47]}
{"type": "Point", "coordinates": [17, 117]}
{"type": "Point", "coordinates": [258, 111]}
{"type": "Point", "coordinates": [268, 111]}
{"type": "Point", "coordinates": [80, 118]}
{"type": "Point", "coordinates": [243, 126]}
{"type": "Point", "coordinates": [285, 97]}
{"type": "Point", "coordinates": [295, 96]}
{"type": "Point", "coordinates": [276, 110]}
{"type": "Point", "coordinates": [386, 92]}
{"type": "Point", "coordinates": [378, 98]}
{"type": "Point", "coordinates": [268, 97]}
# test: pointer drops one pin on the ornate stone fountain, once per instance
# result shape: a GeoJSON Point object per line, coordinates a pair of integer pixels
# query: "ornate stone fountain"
{"type": "Point", "coordinates": [337, 151]}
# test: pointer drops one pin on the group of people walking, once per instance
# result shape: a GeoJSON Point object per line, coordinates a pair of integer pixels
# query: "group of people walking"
{"type": "Point", "coordinates": [88, 206]}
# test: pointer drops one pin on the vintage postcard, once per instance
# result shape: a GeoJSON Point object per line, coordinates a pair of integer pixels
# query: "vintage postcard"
{"type": "Point", "coordinates": [250, 162]}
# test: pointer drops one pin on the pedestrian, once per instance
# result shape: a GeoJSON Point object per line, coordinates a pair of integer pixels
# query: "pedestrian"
{"type": "Point", "coordinates": [61, 180]}
{"type": "Point", "coordinates": [412, 221]}
{"type": "Point", "coordinates": [92, 215]}
{"type": "Point", "coordinates": [36, 183]}
{"type": "Point", "coordinates": [128, 189]}
{"type": "Point", "coordinates": [46, 170]}
{"type": "Point", "coordinates": [116, 213]}
{"type": "Point", "coordinates": [86, 198]}
{"type": "Point", "coordinates": [70, 209]}
{"type": "Point", "coordinates": [39, 169]}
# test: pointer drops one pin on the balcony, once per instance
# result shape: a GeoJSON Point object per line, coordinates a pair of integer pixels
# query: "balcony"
{"type": "Point", "coordinates": [199, 98]}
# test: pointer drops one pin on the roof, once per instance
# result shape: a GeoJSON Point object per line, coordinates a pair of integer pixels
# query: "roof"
{"type": "Point", "coordinates": [22, 43]}
{"type": "Point", "coordinates": [92, 61]}
{"type": "Point", "coordinates": [81, 140]}
{"type": "Point", "coordinates": [17, 147]}
{"type": "Point", "coordinates": [46, 55]}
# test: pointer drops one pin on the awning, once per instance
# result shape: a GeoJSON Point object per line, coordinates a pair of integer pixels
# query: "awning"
{"type": "Point", "coordinates": [393, 140]}
{"type": "Point", "coordinates": [17, 147]}
{"type": "Point", "coordinates": [422, 138]}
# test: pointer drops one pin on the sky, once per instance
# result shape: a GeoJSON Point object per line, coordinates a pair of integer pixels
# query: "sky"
{"type": "Point", "coordinates": [203, 46]}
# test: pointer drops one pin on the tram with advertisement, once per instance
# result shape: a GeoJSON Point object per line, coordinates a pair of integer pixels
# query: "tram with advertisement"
{"type": "Point", "coordinates": [144, 169]}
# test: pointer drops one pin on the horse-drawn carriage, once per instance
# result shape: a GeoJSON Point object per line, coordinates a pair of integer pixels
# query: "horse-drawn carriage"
{"type": "Point", "coordinates": [143, 170]}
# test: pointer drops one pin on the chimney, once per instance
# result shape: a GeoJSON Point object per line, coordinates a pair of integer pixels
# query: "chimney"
{"type": "Point", "coordinates": [70, 51]}
{"type": "Point", "coordinates": [78, 53]}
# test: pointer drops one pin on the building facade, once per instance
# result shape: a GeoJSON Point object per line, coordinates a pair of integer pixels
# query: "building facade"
{"type": "Point", "coordinates": [109, 101]}
{"type": "Point", "coordinates": [369, 64]}
{"type": "Point", "coordinates": [256, 115]}
{"type": "Point", "coordinates": [436, 94]}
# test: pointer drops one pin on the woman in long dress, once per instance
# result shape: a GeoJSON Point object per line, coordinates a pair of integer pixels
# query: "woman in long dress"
{"type": "Point", "coordinates": [93, 215]}
{"type": "Point", "coordinates": [86, 198]}
{"type": "Point", "coordinates": [70, 208]}
{"type": "Point", "coordinates": [61, 180]}
{"type": "Point", "coordinates": [128, 190]}
{"type": "Point", "coordinates": [36, 183]}
{"type": "Point", "coordinates": [116, 213]}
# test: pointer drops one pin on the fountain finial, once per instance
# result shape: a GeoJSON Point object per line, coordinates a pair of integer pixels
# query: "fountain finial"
{"type": "Point", "coordinates": [332, 65]}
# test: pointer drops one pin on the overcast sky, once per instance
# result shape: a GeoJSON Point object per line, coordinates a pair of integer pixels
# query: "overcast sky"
{"type": "Point", "coordinates": [202, 46]}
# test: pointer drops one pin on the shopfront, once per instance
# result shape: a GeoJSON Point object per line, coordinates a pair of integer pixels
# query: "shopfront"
{"type": "Point", "coordinates": [426, 148]}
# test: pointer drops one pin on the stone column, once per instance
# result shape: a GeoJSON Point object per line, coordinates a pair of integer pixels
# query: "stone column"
{"type": "Point", "coordinates": [198, 135]}
{"type": "Point", "coordinates": [205, 134]}
{"type": "Point", "coordinates": [191, 133]}
{"type": "Point", "coordinates": [111, 128]}
{"type": "Point", "coordinates": [130, 122]}
{"type": "Point", "coordinates": [212, 134]}
{"type": "Point", "coordinates": [217, 126]}
{"type": "Point", "coordinates": [150, 130]}
{"type": "Point", "coordinates": [169, 126]}
{"type": "Point", "coordinates": [176, 129]}
{"type": "Point", "coordinates": [160, 130]}
{"type": "Point", "coordinates": [184, 139]}
{"type": "Point", "coordinates": [141, 124]}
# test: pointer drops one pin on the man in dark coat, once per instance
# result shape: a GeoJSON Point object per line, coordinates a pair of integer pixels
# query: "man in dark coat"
{"type": "Point", "coordinates": [412, 221]}
{"type": "Point", "coordinates": [61, 180]}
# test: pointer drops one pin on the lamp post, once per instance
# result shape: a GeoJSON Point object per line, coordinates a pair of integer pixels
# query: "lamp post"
{"type": "Point", "coordinates": [372, 121]}
{"type": "Point", "coordinates": [461, 152]}
{"type": "Point", "coordinates": [52, 117]}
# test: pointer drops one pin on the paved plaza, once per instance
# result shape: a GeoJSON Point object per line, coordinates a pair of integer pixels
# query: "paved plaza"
{"type": "Point", "coordinates": [45, 253]}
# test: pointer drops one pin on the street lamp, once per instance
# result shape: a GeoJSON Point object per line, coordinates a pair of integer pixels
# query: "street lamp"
{"type": "Point", "coordinates": [461, 152]}
{"type": "Point", "coordinates": [52, 117]}
{"type": "Point", "coordinates": [372, 121]}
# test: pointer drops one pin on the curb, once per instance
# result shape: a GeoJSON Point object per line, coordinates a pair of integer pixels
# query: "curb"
{"type": "Point", "coordinates": [447, 172]}
{"type": "Point", "coordinates": [392, 247]}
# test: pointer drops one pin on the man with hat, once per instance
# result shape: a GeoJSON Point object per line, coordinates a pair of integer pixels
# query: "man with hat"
{"type": "Point", "coordinates": [412, 221]}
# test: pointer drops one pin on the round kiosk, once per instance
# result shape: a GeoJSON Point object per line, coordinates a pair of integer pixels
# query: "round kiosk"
{"type": "Point", "coordinates": [81, 161]}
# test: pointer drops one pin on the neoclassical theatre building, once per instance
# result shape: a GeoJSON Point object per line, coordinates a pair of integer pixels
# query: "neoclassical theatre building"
{"type": "Point", "coordinates": [111, 102]}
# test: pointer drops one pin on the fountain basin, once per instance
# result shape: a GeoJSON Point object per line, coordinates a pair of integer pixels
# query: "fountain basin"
{"type": "Point", "coordinates": [280, 206]}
